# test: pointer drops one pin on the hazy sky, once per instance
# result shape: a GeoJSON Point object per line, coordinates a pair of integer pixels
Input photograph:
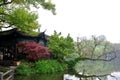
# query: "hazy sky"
{"type": "Point", "coordinates": [83, 18]}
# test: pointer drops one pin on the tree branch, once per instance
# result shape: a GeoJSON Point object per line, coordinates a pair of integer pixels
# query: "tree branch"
{"type": "Point", "coordinates": [113, 76]}
{"type": "Point", "coordinates": [89, 76]}
{"type": "Point", "coordinates": [95, 76]}
{"type": "Point", "coordinates": [6, 3]}
{"type": "Point", "coordinates": [99, 78]}
{"type": "Point", "coordinates": [95, 59]}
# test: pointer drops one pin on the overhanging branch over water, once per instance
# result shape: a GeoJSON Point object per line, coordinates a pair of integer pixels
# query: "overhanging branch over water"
{"type": "Point", "coordinates": [94, 76]}
{"type": "Point", "coordinates": [96, 59]}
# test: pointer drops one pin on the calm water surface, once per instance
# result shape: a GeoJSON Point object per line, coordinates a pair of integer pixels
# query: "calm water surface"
{"type": "Point", "coordinates": [94, 68]}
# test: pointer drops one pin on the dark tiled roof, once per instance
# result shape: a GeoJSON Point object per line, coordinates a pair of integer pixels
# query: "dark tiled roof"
{"type": "Point", "coordinates": [12, 36]}
{"type": "Point", "coordinates": [15, 31]}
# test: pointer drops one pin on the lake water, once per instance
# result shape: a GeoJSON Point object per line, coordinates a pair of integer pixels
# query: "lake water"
{"type": "Point", "coordinates": [62, 76]}
{"type": "Point", "coordinates": [85, 70]}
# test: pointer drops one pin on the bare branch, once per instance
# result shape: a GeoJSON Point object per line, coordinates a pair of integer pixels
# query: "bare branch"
{"type": "Point", "coordinates": [95, 76]}
{"type": "Point", "coordinates": [89, 76]}
{"type": "Point", "coordinates": [95, 59]}
{"type": "Point", "coordinates": [113, 76]}
{"type": "Point", "coordinates": [99, 78]}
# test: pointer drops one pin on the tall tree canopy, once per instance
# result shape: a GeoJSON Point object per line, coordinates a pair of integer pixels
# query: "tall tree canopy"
{"type": "Point", "coordinates": [17, 14]}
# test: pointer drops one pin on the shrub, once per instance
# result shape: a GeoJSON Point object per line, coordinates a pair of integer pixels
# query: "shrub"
{"type": "Point", "coordinates": [70, 64]}
{"type": "Point", "coordinates": [24, 69]}
{"type": "Point", "coordinates": [33, 51]}
{"type": "Point", "coordinates": [48, 66]}
{"type": "Point", "coordinates": [61, 46]}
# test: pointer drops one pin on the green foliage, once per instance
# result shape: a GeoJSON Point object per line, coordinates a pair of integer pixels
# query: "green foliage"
{"type": "Point", "coordinates": [42, 66]}
{"type": "Point", "coordinates": [61, 46]}
{"type": "Point", "coordinates": [16, 14]}
{"type": "Point", "coordinates": [53, 76]}
{"type": "Point", "coordinates": [22, 19]}
{"type": "Point", "coordinates": [71, 64]}
{"type": "Point", "coordinates": [24, 69]}
{"type": "Point", "coordinates": [72, 60]}
{"type": "Point", "coordinates": [48, 66]}
{"type": "Point", "coordinates": [26, 3]}
{"type": "Point", "coordinates": [72, 56]}
{"type": "Point", "coordinates": [95, 47]}
{"type": "Point", "coordinates": [36, 3]}
{"type": "Point", "coordinates": [93, 67]}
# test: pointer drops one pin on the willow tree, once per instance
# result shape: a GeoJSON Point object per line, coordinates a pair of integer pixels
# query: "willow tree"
{"type": "Point", "coordinates": [17, 13]}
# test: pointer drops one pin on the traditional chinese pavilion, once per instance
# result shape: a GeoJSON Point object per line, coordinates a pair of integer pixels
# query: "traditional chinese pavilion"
{"type": "Point", "coordinates": [9, 39]}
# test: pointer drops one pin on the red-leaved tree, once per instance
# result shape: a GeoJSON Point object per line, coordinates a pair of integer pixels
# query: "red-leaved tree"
{"type": "Point", "coordinates": [33, 50]}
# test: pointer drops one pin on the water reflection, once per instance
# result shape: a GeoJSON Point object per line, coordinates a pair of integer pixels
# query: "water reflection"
{"type": "Point", "coordinates": [73, 77]}
{"type": "Point", "coordinates": [98, 70]}
{"type": "Point", "coordinates": [112, 76]}
{"type": "Point", "coordinates": [70, 77]}
{"type": "Point", "coordinates": [54, 76]}
{"type": "Point", "coordinates": [85, 70]}
{"type": "Point", "coordinates": [94, 67]}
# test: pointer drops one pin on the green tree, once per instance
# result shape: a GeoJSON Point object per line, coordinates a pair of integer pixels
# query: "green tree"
{"type": "Point", "coordinates": [95, 47]}
{"type": "Point", "coordinates": [61, 46]}
{"type": "Point", "coordinates": [26, 3]}
{"type": "Point", "coordinates": [21, 19]}
{"type": "Point", "coordinates": [17, 14]}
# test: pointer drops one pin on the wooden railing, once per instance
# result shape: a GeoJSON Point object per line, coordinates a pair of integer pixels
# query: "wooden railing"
{"type": "Point", "coordinates": [8, 75]}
